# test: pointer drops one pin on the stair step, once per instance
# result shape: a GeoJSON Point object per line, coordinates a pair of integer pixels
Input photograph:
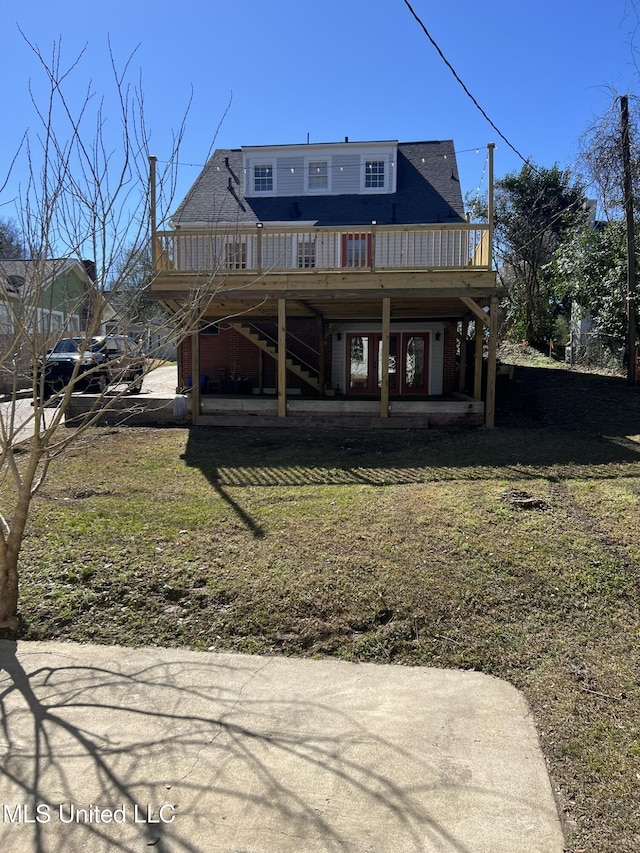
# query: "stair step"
{"type": "Point", "coordinates": [266, 346]}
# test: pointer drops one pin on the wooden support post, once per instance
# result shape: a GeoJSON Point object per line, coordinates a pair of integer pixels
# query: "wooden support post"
{"type": "Point", "coordinates": [384, 373]}
{"type": "Point", "coordinates": [490, 201]}
{"type": "Point", "coordinates": [321, 376]}
{"type": "Point", "coordinates": [490, 404]}
{"type": "Point", "coordinates": [259, 247]}
{"type": "Point", "coordinates": [462, 378]}
{"type": "Point", "coordinates": [373, 245]}
{"type": "Point", "coordinates": [477, 371]}
{"type": "Point", "coordinates": [282, 358]}
{"type": "Point", "coordinates": [181, 383]}
{"type": "Point", "coordinates": [152, 212]}
{"type": "Point", "coordinates": [195, 376]}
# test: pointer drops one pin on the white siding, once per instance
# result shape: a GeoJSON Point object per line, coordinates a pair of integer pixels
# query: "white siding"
{"type": "Point", "coordinates": [290, 176]}
{"type": "Point", "coordinates": [345, 166]}
{"type": "Point", "coordinates": [346, 174]}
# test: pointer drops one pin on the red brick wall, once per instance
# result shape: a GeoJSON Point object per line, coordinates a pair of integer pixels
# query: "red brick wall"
{"type": "Point", "coordinates": [241, 358]}
{"type": "Point", "coordinates": [449, 363]}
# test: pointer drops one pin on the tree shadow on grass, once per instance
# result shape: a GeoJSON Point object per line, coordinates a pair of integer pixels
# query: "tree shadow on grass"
{"type": "Point", "coordinates": [194, 753]}
{"type": "Point", "coordinates": [553, 425]}
{"type": "Point", "coordinates": [335, 457]}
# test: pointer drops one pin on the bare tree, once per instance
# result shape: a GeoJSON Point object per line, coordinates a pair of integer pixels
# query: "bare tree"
{"type": "Point", "coordinates": [86, 206]}
{"type": "Point", "coordinates": [610, 154]}
{"type": "Point", "coordinates": [601, 157]}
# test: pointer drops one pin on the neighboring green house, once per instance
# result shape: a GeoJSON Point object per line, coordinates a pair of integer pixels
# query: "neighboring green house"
{"type": "Point", "coordinates": [40, 301]}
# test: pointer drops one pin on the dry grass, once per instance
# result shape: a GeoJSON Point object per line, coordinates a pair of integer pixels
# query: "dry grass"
{"type": "Point", "coordinates": [513, 551]}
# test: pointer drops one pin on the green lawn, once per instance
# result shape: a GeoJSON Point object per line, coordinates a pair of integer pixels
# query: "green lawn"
{"type": "Point", "coordinates": [513, 551]}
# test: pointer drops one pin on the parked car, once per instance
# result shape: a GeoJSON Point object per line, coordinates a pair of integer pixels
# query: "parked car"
{"type": "Point", "coordinates": [102, 361]}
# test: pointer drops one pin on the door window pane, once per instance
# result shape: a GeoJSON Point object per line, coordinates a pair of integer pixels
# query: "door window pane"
{"type": "Point", "coordinates": [359, 361]}
{"type": "Point", "coordinates": [414, 362]}
{"type": "Point", "coordinates": [235, 256]}
{"type": "Point", "coordinates": [392, 362]}
{"type": "Point", "coordinates": [356, 250]}
{"type": "Point", "coordinates": [306, 254]}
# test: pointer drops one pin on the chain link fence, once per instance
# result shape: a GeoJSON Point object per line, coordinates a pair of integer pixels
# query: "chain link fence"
{"type": "Point", "coordinates": [592, 349]}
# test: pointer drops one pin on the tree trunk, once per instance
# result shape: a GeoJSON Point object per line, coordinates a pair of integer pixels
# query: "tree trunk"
{"type": "Point", "coordinates": [11, 543]}
{"type": "Point", "coordinates": [8, 590]}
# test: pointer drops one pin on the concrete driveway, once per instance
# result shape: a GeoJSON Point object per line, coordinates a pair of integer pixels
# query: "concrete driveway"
{"type": "Point", "coordinates": [159, 383]}
{"type": "Point", "coordinates": [113, 749]}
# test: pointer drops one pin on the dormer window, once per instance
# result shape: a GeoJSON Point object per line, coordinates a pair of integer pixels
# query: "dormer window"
{"type": "Point", "coordinates": [263, 178]}
{"type": "Point", "coordinates": [317, 175]}
{"type": "Point", "coordinates": [331, 169]}
{"type": "Point", "coordinates": [374, 175]}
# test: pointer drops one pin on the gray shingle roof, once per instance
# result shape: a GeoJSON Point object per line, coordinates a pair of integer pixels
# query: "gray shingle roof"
{"type": "Point", "coordinates": [427, 191]}
{"type": "Point", "coordinates": [22, 277]}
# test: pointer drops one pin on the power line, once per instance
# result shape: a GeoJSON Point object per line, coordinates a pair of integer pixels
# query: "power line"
{"type": "Point", "coordinates": [460, 81]}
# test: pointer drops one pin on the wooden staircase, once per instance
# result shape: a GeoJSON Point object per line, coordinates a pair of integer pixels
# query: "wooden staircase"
{"type": "Point", "coordinates": [269, 345]}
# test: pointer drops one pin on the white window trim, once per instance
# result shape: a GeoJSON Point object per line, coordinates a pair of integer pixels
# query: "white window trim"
{"type": "Point", "coordinates": [49, 321]}
{"type": "Point", "coordinates": [389, 178]}
{"type": "Point", "coordinates": [252, 179]}
{"type": "Point", "coordinates": [306, 251]}
{"type": "Point", "coordinates": [319, 158]}
{"type": "Point", "coordinates": [370, 157]}
{"type": "Point", "coordinates": [235, 254]}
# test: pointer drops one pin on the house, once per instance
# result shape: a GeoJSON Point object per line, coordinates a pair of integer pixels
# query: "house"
{"type": "Point", "coordinates": [39, 302]}
{"type": "Point", "coordinates": [335, 280]}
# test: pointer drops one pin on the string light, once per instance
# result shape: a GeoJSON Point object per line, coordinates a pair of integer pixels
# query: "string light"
{"type": "Point", "coordinates": [482, 177]}
{"type": "Point", "coordinates": [392, 163]}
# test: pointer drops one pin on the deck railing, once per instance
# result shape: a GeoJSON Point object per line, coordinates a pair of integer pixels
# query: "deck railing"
{"type": "Point", "coordinates": [310, 250]}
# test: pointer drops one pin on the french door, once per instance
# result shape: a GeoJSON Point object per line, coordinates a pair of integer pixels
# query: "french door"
{"type": "Point", "coordinates": [408, 363]}
{"type": "Point", "coordinates": [356, 250]}
{"type": "Point", "coordinates": [415, 363]}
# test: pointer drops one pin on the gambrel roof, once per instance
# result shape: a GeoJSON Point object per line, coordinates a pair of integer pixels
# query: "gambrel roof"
{"type": "Point", "coordinates": [427, 191]}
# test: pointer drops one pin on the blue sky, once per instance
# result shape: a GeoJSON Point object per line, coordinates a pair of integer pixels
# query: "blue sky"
{"type": "Point", "coordinates": [295, 70]}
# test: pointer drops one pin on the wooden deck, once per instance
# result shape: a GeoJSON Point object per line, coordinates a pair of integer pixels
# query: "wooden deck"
{"type": "Point", "coordinates": [315, 249]}
{"type": "Point", "coordinates": [332, 272]}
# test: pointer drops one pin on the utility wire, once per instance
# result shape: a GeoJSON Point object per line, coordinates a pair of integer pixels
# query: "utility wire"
{"type": "Point", "coordinates": [460, 81]}
{"type": "Point", "coordinates": [493, 125]}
